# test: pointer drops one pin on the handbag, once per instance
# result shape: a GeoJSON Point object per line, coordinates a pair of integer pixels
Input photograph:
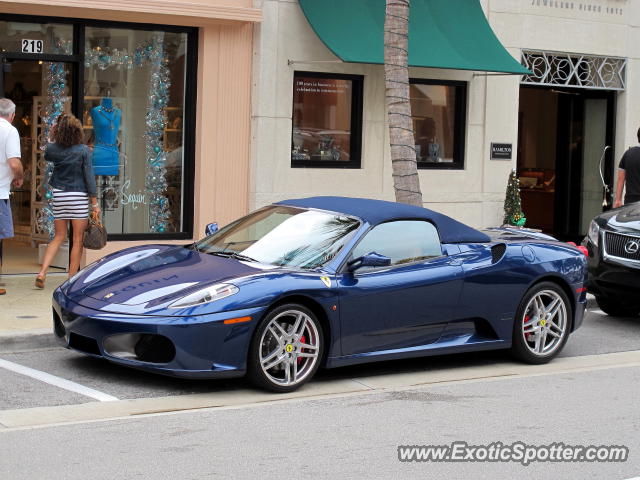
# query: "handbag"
{"type": "Point", "coordinates": [95, 236]}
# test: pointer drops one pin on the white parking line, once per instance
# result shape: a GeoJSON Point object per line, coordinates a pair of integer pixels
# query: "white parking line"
{"type": "Point", "coordinates": [56, 381]}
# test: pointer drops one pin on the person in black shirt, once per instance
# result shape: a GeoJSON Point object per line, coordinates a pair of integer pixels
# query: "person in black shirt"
{"type": "Point", "coordinates": [629, 176]}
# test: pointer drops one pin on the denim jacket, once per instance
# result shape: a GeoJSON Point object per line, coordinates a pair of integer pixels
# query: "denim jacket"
{"type": "Point", "coordinates": [72, 169]}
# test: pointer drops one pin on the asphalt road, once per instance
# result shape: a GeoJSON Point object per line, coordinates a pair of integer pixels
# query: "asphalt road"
{"type": "Point", "coordinates": [599, 334]}
{"type": "Point", "coordinates": [349, 437]}
{"type": "Point", "coordinates": [334, 429]}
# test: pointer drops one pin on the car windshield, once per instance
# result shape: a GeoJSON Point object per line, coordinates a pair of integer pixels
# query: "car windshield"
{"type": "Point", "coordinates": [283, 236]}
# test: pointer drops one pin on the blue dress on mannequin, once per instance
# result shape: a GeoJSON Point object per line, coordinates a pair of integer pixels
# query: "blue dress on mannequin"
{"type": "Point", "coordinates": [106, 123]}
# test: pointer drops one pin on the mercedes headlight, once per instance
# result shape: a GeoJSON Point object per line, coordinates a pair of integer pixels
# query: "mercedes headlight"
{"type": "Point", "coordinates": [594, 232]}
{"type": "Point", "coordinates": [206, 295]}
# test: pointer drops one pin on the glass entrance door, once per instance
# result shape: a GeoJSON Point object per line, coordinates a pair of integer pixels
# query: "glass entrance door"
{"type": "Point", "coordinates": [595, 119]}
{"type": "Point", "coordinates": [39, 89]}
{"type": "Point", "coordinates": [585, 127]}
{"type": "Point", "coordinates": [561, 138]}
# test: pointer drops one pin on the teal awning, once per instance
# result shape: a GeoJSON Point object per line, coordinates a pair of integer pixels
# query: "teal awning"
{"type": "Point", "coordinates": [451, 34]}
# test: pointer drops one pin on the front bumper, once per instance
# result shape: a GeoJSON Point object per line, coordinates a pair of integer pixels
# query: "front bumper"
{"type": "Point", "coordinates": [203, 346]}
{"type": "Point", "coordinates": [612, 278]}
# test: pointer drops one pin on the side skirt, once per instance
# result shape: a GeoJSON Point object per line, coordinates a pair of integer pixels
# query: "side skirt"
{"type": "Point", "coordinates": [440, 348]}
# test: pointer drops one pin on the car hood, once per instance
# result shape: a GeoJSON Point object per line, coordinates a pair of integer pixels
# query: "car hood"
{"type": "Point", "coordinates": [623, 219]}
{"type": "Point", "coordinates": [154, 275]}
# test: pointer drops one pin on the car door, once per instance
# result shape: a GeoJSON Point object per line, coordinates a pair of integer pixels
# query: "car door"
{"type": "Point", "coordinates": [406, 304]}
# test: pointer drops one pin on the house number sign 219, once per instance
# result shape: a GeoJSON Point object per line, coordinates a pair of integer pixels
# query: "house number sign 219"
{"type": "Point", "coordinates": [32, 46]}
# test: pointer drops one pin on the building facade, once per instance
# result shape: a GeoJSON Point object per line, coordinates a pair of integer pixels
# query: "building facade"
{"type": "Point", "coordinates": [471, 126]}
{"type": "Point", "coordinates": [205, 110]}
{"type": "Point", "coordinates": [163, 90]}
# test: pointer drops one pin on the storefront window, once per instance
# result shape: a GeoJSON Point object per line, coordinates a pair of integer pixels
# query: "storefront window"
{"type": "Point", "coordinates": [133, 118]}
{"type": "Point", "coordinates": [327, 113]}
{"type": "Point", "coordinates": [438, 112]}
{"type": "Point", "coordinates": [36, 38]}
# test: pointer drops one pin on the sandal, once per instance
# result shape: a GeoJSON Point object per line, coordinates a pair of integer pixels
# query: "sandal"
{"type": "Point", "coordinates": [39, 282]}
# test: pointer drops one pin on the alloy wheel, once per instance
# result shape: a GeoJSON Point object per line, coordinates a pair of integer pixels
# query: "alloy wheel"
{"type": "Point", "coordinates": [289, 348]}
{"type": "Point", "coordinates": [544, 323]}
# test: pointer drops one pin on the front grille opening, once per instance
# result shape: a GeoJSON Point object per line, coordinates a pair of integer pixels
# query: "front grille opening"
{"type": "Point", "coordinates": [142, 347]}
{"type": "Point", "coordinates": [155, 349]}
{"type": "Point", "coordinates": [58, 326]}
{"type": "Point", "coordinates": [622, 246]}
{"type": "Point", "coordinates": [84, 344]}
{"type": "Point", "coordinates": [497, 252]}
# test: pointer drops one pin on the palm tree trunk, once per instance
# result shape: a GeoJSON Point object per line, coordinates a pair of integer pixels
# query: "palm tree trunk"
{"type": "Point", "coordinates": [406, 182]}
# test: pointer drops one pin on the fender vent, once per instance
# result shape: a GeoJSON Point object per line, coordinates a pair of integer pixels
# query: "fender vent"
{"type": "Point", "coordinates": [497, 252]}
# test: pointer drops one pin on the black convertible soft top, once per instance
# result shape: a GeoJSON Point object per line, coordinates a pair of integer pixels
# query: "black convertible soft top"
{"type": "Point", "coordinates": [378, 211]}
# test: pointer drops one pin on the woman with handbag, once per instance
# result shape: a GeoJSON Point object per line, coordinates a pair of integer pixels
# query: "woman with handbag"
{"type": "Point", "coordinates": [74, 186]}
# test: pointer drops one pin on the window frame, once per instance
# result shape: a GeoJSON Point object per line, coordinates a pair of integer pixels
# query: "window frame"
{"type": "Point", "coordinates": [344, 267]}
{"type": "Point", "coordinates": [77, 104]}
{"type": "Point", "coordinates": [459, 123]}
{"type": "Point", "coordinates": [355, 143]}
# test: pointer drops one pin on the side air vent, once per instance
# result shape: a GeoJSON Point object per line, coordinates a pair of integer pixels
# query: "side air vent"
{"type": "Point", "coordinates": [497, 252]}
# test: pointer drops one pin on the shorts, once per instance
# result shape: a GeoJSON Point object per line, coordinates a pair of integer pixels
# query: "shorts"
{"type": "Point", "coordinates": [6, 221]}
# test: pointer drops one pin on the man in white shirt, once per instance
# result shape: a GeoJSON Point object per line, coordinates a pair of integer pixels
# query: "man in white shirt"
{"type": "Point", "coordinates": [10, 168]}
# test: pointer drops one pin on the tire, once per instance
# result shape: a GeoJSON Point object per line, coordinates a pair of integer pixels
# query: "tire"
{"type": "Point", "coordinates": [617, 308]}
{"type": "Point", "coordinates": [281, 359]}
{"type": "Point", "coordinates": [538, 339]}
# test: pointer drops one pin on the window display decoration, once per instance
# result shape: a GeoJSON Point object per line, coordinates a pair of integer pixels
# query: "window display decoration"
{"type": "Point", "coordinates": [105, 57]}
{"type": "Point", "coordinates": [156, 182]}
{"type": "Point", "coordinates": [62, 46]}
{"type": "Point", "coordinates": [150, 53]}
{"type": "Point", "coordinates": [56, 78]}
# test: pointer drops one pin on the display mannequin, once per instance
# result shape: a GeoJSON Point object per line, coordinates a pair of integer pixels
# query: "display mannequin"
{"type": "Point", "coordinates": [433, 150]}
{"type": "Point", "coordinates": [106, 123]}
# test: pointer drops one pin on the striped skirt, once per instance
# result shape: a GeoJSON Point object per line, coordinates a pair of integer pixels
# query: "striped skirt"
{"type": "Point", "coordinates": [69, 205]}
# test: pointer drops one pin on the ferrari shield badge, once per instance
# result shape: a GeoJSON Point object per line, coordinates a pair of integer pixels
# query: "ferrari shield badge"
{"type": "Point", "coordinates": [326, 281]}
{"type": "Point", "coordinates": [108, 295]}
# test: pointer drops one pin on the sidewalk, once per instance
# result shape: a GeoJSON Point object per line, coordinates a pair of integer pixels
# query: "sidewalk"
{"type": "Point", "coordinates": [25, 311]}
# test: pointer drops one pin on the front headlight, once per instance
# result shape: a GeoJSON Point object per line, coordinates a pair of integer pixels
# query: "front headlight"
{"type": "Point", "coordinates": [206, 295]}
{"type": "Point", "coordinates": [594, 232]}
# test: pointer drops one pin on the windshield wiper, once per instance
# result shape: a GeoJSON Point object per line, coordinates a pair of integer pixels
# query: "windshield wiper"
{"type": "Point", "coordinates": [244, 258]}
{"type": "Point", "coordinates": [236, 255]}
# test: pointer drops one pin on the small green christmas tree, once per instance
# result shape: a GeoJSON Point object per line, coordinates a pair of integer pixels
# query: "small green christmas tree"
{"type": "Point", "coordinates": [513, 214]}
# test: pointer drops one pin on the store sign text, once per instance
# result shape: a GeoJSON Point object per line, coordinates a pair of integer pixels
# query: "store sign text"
{"type": "Point", "coordinates": [501, 151]}
{"type": "Point", "coordinates": [132, 199]}
{"type": "Point", "coordinates": [592, 6]}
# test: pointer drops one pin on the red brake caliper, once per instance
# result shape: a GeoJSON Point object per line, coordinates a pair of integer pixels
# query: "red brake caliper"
{"type": "Point", "coordinates": [527, 336]}
{"type": "Point", "coordinates": [303, 339]}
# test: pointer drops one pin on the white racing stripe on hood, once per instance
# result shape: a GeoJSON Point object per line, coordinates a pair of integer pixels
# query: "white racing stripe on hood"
{"type": "Point", "coordinates": [119, 262]}
{"type": "Point", "coordinates": [157, 293]}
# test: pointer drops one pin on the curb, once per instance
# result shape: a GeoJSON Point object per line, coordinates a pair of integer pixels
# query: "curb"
{"type": "Point", "coordinates": [27, 340]}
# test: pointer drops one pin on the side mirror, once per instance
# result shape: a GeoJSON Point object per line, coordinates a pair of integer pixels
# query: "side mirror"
{"type": "Point", "coordinates": [210, 229]}
{"type": "Point", "coordinates": [372, 259]}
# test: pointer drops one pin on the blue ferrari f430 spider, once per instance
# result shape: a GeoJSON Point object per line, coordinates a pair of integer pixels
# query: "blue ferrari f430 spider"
{"type": "Point", "coordinates": [324, 281]}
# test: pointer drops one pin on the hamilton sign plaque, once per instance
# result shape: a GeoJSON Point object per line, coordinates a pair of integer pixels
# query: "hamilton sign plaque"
{"type": "Point", "coordinates": [501, 151]}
